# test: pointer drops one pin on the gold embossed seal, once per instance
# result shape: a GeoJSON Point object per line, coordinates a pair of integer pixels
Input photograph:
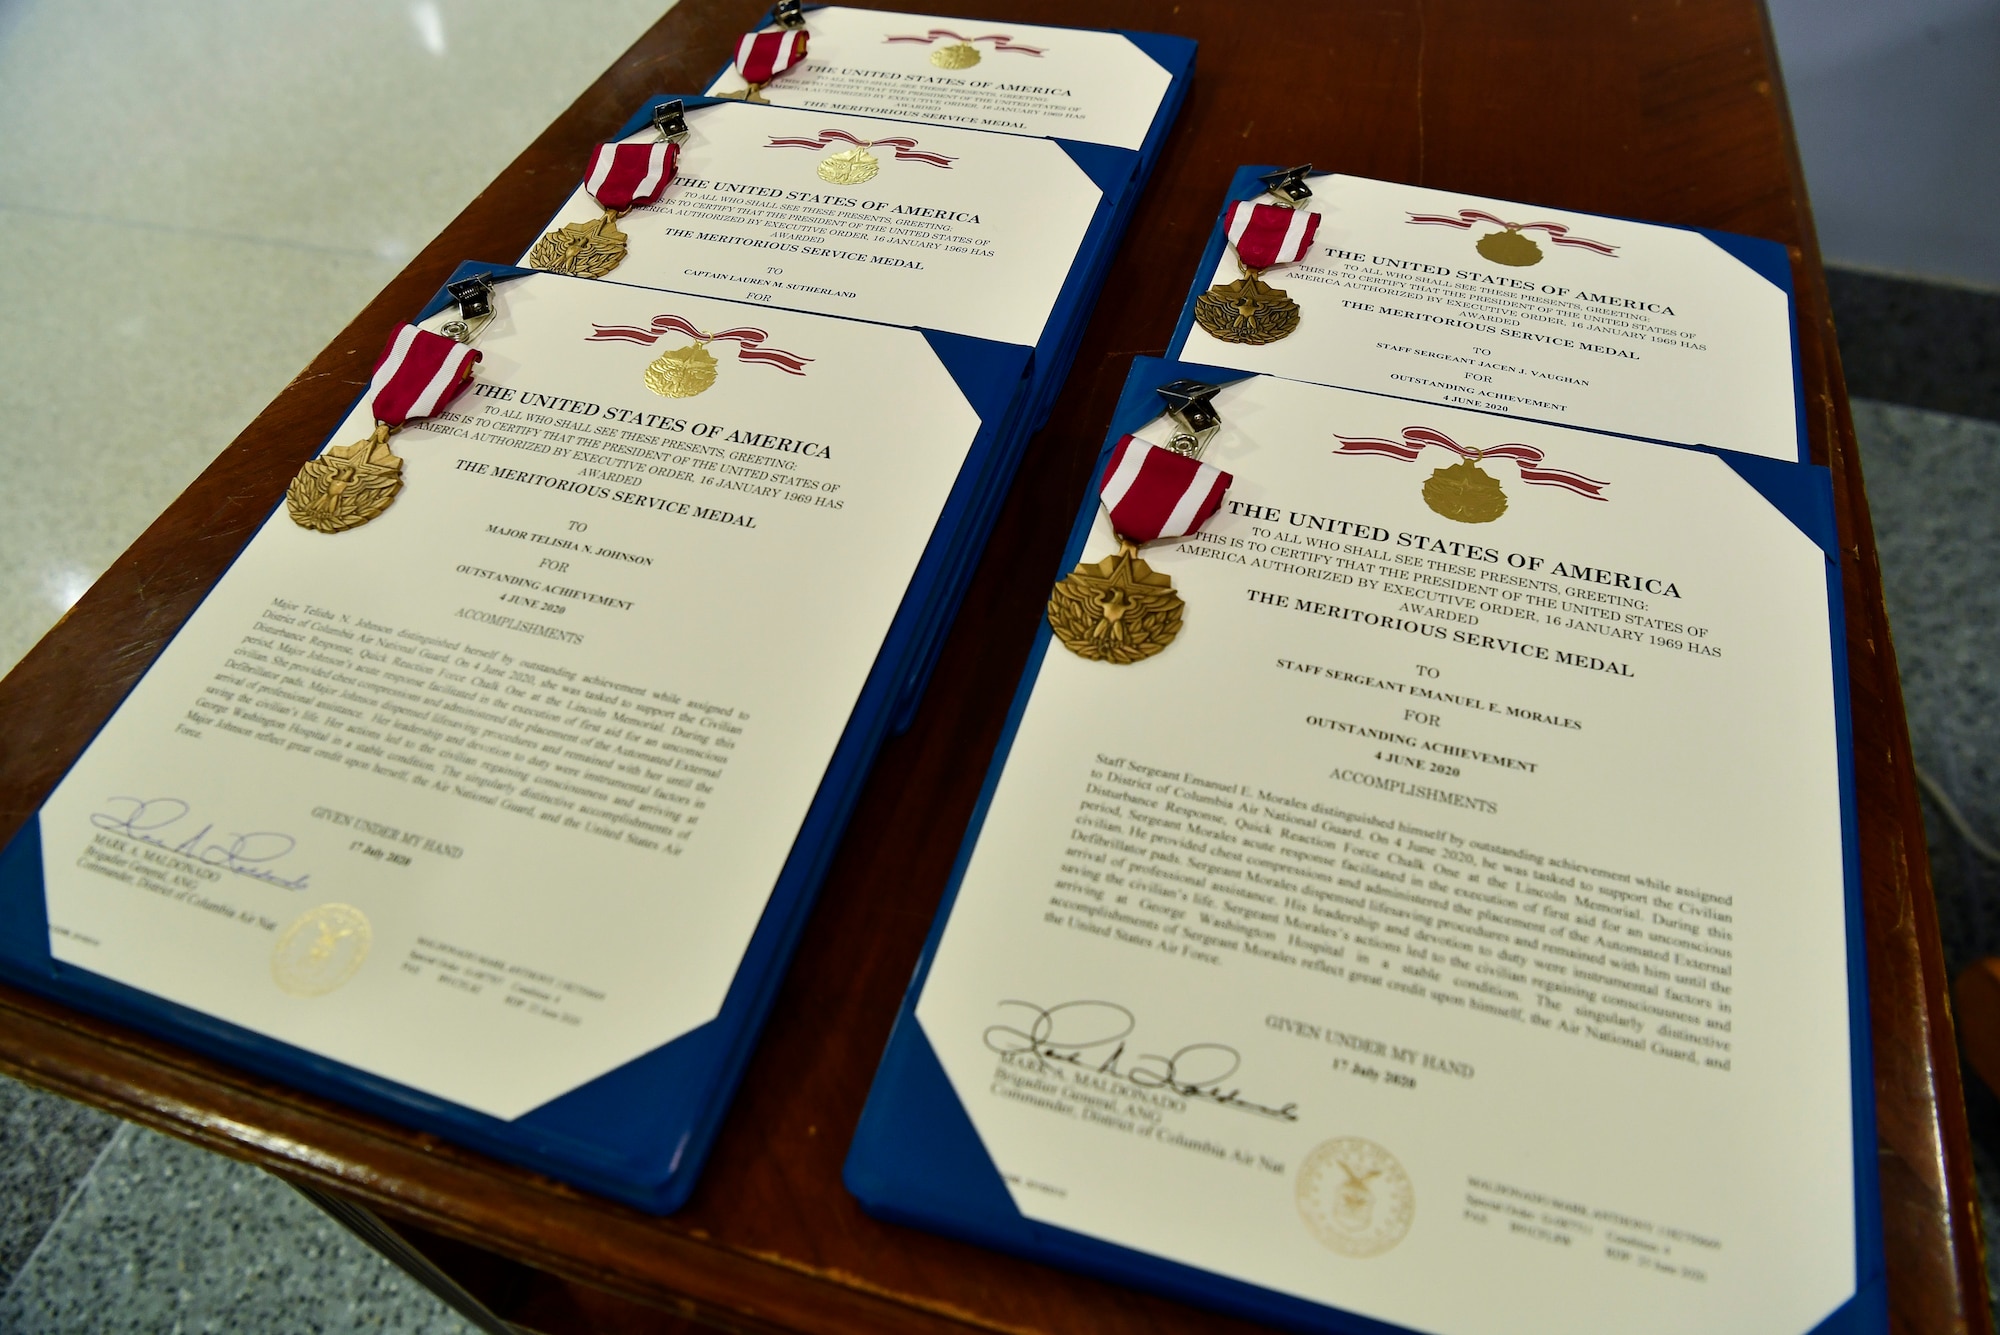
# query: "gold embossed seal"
{"type": "Point", "coordinates": [681, 373]}
{"type": "Point", "coordinates": [1465, 492]}
{"type": "Point", "coordinates": [1354, 1197]}
{"type": "Point", "coordinates": [1510, 248]}
{"type": "Point", "coordinates": [321, 950]}
{"type": "Point", "coordinates": [957, 56]}
{"type": "Point", "coordinates": [852, 166]}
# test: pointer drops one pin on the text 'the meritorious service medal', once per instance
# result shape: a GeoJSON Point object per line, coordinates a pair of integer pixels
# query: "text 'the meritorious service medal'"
{"type": "Point", "coordinates": [1250, 310]}
{"type": "Point", "coordinates": [1119, 609]}
{"type": "Point", "coordinates": [622, 177]}
{"type": "Point", "coordinates": [682, 373]}
{"type": "Point", "coordinates": [1464, 492]}
{"type": "Point", "coordinates": [418, 374]}
{"type": "Point", "coordinates": [763, 56]}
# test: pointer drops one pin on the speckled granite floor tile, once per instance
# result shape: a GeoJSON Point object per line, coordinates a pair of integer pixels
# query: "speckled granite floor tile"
{"type": "Point", "coordinates": [1934, 486]}
{"type": "Point", "coordinates": [47, 1146]}
{"type": "Point", "coordinates": [167, 1239]}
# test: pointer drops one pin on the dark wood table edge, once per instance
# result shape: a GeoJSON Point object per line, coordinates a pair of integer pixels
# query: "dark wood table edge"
{"type": "Point", "coordinates": [1934, 1163]}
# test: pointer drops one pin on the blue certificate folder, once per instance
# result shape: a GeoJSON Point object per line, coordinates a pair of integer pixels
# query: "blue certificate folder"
{"type": "Point", "coordinates": [640, 1133]}
{"type": "Point", "coordinates": [917, 1159]}
{"type": "Point", "coordinates": [1767, 259]}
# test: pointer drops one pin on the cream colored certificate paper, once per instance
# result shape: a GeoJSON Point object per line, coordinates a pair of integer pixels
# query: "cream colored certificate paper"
{"type": "Point", "coordinates": [980, 245]}
{"type": "Point", "coordinates": [487, 796]}
{"type": "Point", "coordinates": [1067, 83]}
{"type": "Point", "coordinates": [1448, 926]}
{"type": "Point", "coordinates": [1646, 330]}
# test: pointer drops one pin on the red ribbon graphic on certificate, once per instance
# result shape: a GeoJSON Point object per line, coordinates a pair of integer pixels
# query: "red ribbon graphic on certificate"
{"type": "Point", "coordinates": [1464, 491]}
{"type": "Point", "coordinates": [905, 149]}
{"type": "Point", "coordinates": [748, 339]}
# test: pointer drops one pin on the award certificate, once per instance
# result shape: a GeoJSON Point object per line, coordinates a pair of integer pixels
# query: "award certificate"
{"type": "Point", "coordinates": [971, 233]}
{"type": "Point", "coordinates": [1067, 83]}
{"type": "Point", "coordinates": [487, 796]}
{"type": "Point", "coordinates": [1576, 319]}
{"type": "Point", "coordinates": [1451, 926]}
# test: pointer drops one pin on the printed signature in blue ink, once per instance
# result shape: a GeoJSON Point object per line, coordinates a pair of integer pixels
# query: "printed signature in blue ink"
{"type": "Point", "coordinates": [159, 821]}
{"type": "Point", "coordinates": [1090, 1036]}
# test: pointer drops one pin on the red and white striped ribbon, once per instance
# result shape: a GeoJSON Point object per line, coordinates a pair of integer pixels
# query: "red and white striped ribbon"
{"type": "Point", "coordinates": [748, 340]}
{"type": "Point", "coordinates": [1268, 234]}
{"type": "Point", "coordinates": [624, 176]}
{"type": "Point", "coordinates": [1526, 458]}
{"type": "Point", "coordinates": [763, 56]}
{"type": "Point", "coordinates": [1556, 232]}
{"type": "Point", "coordinates": [906, 149]}
{"type": "Point", "coordinates": [1001, 41]}
{"type": "Point", "coordinates": [417, 374]}
{"type": "Point", "coordinates": [1153, 492]}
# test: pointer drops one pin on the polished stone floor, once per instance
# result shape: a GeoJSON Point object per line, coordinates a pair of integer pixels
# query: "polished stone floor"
{"type": "Point", "coordinates": [183, 244]}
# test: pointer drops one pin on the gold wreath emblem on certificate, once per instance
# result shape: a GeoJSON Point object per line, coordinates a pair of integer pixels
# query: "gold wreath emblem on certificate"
{"type": "Point", "coordinates": [582, 249]}
{"type": "Point", "coordinates": [1248, 310]}
{"type": "Point", "coordinates": [1118, 610]}
{"type": "Point", "coordinates": [851, 167]}
{"type": "Point", "coordinates": [1354, 1197]}
{"type": "Point", "coordinates": [1465, 492]}
{"type": "Point", "coordinates": [321, 950]}
{"type": "Point", "coordinates": [681, 373]}
{"type": "Point", "coordinates": [957, 56]}
{"type": "Point", "coordinates": [1510, 248]}
{"type": "Point", "coordinates": [347, 486]}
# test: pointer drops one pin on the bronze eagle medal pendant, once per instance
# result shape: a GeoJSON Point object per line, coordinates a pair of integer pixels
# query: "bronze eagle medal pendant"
{"type": "Point", "coordinates": [1118, 610]}
{"type": "Point", "coordinates": [347, 486]}
{"type": "Point", "coordinates": [1248, 310]}
{"type": "Point", "coordinates": [583, 249]}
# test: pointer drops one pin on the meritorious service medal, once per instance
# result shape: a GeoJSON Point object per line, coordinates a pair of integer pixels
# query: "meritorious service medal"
{"type": "Point", "coordinates": [1119, 609]}
{"type": "Point", "coordinates": [622, 177]}
{"type": "Point", "coordinates": [763, 56]}
{"type": "Point", "coordinates": [682, 373]}
{"type": "Point", "coordinates": [1250, 310]}
{"type": "Point", "coordinates": [1464, 492]}
{"type": "Point", "coordinates": [418, 374]}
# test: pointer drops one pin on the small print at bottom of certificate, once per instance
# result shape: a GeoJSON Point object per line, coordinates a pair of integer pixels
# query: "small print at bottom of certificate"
{"type": "Point", "coordinates": [1449, 926]}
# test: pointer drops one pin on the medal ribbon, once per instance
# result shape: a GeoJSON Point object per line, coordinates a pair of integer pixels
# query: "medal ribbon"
{"type": "Point", "coordinates": [1268, 234]}
{"type": "Point", "coordinates": [905, 148]}
{"type": "Point", "coordinates": [748, 341]}
{"type": "Point", "coordinates": [1556, 232]}
{"type": "Point", "coordinates": [1001, 41]}
{"type": "Point", "coordinates": [624, 176]}
{"type": "Point", "coordinates": [763, 56]}
{"type": "Point", "coordinates": [1526, 457]}
{"type": "Point", "coordinates": [417, 374]}
{"type": "Point", "coordinates": [1152, 492]}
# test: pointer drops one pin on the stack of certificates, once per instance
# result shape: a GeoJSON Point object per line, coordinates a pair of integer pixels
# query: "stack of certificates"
{"type": "Point", "coordinates": [490, 788]}
{"type": "Point", "coordinates": [1416, 887]}
{"type": "Point", "coordinates": [1424, 896]}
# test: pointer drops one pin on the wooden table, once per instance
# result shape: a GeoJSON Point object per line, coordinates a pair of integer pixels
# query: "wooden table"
{"type": "Point", "coordinates": [1661, 109]}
